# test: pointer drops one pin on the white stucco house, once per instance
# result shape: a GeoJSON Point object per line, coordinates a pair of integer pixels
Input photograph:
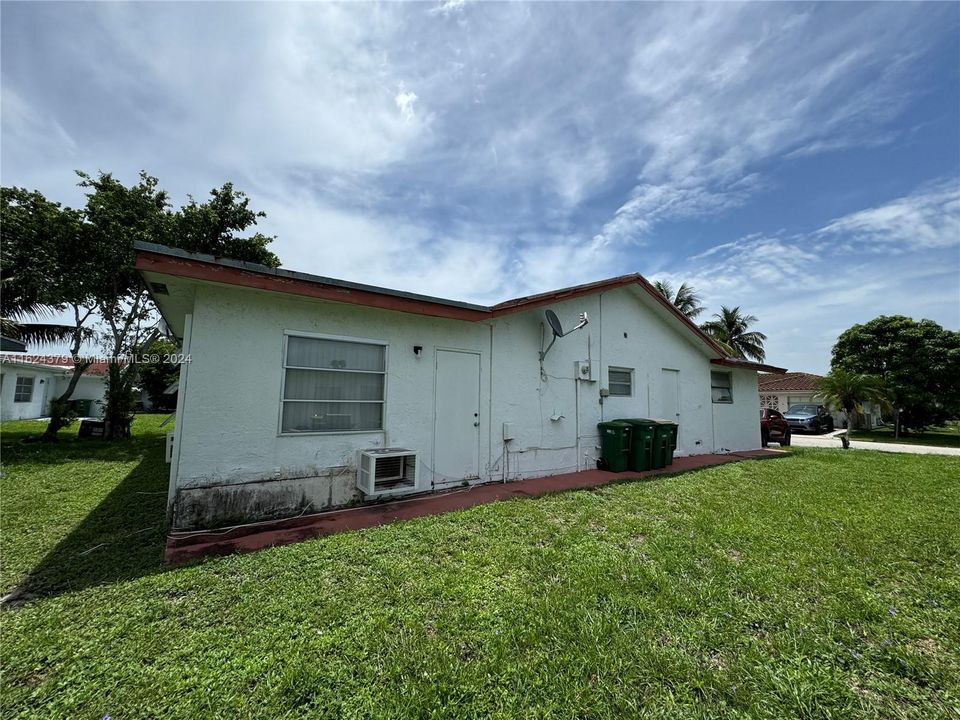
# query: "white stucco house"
{"type": "Point", "coordinates": [781, 391]}
{"type": "Point", "coordinates": [29, 382]}
{"type": "Point", "coordinates": [295, 382]}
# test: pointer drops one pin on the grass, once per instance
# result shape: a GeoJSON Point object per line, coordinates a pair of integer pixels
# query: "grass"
{"type": "Point", "coordinates": [823, 585]}
{"type": "Point", "coordinates": [945, 436]}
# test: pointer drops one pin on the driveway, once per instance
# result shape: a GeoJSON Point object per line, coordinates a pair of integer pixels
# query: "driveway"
{"type": "Point", "coordinates": [832, 442]}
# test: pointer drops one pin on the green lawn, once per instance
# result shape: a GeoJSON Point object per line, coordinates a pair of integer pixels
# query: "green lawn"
{"type": "Point", "coordinates": [822, 585]}
{"type": "Point", "coordinates": [946, 436]}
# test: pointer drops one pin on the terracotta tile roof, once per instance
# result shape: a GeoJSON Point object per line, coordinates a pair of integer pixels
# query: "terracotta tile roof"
{"type": "Point", "coordinates": [787, 381]}
{"type": "Point", "coordinates": [54, 362]}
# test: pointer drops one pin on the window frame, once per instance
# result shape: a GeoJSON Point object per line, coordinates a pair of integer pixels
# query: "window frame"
{"type": "Point", "coordinates": [728, 387]}
{"type": "Point", "coordinates": [617, 368]}
{"type": "Point", "coordinates": [17, 391]}
{"type": "Point", "coordinates": [287, 334]}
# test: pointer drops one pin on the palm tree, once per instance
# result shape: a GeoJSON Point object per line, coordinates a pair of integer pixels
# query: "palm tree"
{"type": "Point", "coordinates": [730, 329]}
{"type": "Point", "coordinates": [14, 312]}
{"type": "Point", "coordinates": [847, 390]}
{"type": "Point", "coordinates": [686, 299]}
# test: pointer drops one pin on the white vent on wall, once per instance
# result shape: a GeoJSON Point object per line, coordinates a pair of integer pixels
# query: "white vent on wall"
{"type": "Point", "coordinates": [387, 471]}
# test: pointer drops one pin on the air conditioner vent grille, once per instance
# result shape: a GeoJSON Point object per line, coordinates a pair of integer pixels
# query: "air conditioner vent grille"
{"type": "Point", "coordinates": [387, 471]}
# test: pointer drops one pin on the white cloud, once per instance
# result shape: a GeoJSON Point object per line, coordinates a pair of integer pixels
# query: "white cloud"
{"type": "Point", "coordinates": [405, 100]}
{"type": "Point", "coordinates": [806, 290]}
{"type": "Point", "coordinates": [929, 218]}
{"type": "Point", "coordinates": [717, 102]}
{"type": "Point", "coordinates": [652, 204]}
{"type": "Point", "coordinates": [448, 7]}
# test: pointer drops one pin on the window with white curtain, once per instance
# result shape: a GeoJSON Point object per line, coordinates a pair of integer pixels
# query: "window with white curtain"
{"type": "Point", "coordinates": [332, 385]}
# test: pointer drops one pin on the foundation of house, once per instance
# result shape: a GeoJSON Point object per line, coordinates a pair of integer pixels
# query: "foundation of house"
{"type": "Point", "coordinates": [186, 546]}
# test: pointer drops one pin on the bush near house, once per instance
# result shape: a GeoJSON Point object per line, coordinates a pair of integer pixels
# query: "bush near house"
{"type": "Point", "coordinates": [821, 585]}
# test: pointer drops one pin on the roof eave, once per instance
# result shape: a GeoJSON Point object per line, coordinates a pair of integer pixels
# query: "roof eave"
{"type": "Point", "coordinates": [196, 266]}
{"type": "Point", "coordinates": [748, 365]}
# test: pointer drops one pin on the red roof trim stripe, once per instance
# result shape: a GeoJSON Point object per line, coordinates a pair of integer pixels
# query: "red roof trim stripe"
{"type": "Point", "coordinates": [209, 270]}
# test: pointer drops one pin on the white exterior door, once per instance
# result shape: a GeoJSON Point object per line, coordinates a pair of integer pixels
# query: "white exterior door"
{"type": "Point", "coordinates": [670, 397]}
{"type": "Point", "coordinates": [456, 434]}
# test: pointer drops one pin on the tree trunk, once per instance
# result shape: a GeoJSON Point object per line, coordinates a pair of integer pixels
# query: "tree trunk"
{"type": "Point", "coordinates": [59, 417]}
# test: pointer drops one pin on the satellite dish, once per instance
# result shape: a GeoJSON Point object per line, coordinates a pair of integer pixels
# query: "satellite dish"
{"type": "Point", "coordinates": [554, 322]}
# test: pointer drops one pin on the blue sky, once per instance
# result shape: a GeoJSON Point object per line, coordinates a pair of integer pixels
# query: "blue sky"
{"type": "Point", "coordinates": [799, 160]}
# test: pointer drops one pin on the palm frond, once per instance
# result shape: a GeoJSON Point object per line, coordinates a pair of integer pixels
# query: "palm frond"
{"type": "Point", "coordinates": [40, 333]}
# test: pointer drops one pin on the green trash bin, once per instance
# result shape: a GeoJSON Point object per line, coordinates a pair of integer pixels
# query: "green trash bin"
{"type": "Point", "coordinates": [665, 441]}
{"type": "Point", "coordinates": [641, 443]}
{"type": "Point", "coordinates": [615, 444]}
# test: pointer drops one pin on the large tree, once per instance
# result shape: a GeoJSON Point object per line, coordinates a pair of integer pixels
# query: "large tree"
{"type": "Point", "coordinates": [732, 329]}
{"type": "Point", "coordinates": [44, 270]}
{"type": "Point", "coordinates": [37, 236]}
{"type": "Point", "coordinates": [685, 299]}
{"type": "Point", "coordinates": [55, 259]}
{"type": "Point", "coordinates": [918, 362]}
{"type": "Point", "coordinates": [115, 217]}
{"type": "Point", "coordinates": [213, 227]}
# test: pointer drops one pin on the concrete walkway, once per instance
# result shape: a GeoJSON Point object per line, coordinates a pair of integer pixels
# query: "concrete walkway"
{"type": "Point", "coordinates": [824, 441]}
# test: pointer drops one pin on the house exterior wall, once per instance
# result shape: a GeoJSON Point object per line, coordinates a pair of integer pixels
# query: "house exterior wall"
{"type": "Point", "coordinates": [10, 410]}
{"type": "Point", "coordinates": [89, 387]}
{"type": "Point", "coordinates": [232, 464]}
{"type": "Point", "coordinates": [736, 425]}
{"type": "Point", "coordinates": [228, 431]}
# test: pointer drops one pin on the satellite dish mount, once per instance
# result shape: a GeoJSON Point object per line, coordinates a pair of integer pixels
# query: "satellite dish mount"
{"type": "Point", "coordinates": [554, 322]}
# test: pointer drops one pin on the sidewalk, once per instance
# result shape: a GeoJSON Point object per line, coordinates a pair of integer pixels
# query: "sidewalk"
{"type": "Point", "coordinates": [832, 442]}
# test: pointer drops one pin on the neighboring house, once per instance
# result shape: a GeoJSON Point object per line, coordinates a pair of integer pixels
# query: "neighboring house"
{"type": "Point", "coordinates": [29, 382]}
{"type": "Point", "coordinates": [290, 377]}
{"type": "Point", "coordinates": [784, 390]}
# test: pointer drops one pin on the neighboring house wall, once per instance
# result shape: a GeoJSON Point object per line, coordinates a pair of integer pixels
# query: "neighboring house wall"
{"type": "Point", "coordinates": [736, 425]}
{"type": "Point", "coordinates": [13, 409]}
{"type": "Point", "coordinates": [55, 381]}
{"type": "Point", "coordinates": [232, 464]}
{"type": "Point", "coordinates": [89, 387]}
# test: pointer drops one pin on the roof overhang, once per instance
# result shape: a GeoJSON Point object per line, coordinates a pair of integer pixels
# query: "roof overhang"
{"type": "Point", "coordinates": [39, 367]}
{"type": "Point", "coordinates": [161, 260]}
{"type": "Point", "coordinates": [12, 345]}
{"type": "Point", "coordinates": [748, 365]}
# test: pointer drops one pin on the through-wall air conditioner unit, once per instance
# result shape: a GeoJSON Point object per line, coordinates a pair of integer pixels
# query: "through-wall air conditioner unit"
{"type": "Point", "coordinates": [584, 370]}
{"type": "Point", "coordinates": [387, 471]}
